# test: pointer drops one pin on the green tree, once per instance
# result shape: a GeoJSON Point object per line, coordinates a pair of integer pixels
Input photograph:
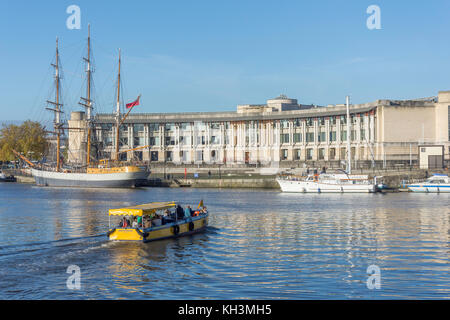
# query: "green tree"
{"type": "Point", "coordinates": [29, 139]}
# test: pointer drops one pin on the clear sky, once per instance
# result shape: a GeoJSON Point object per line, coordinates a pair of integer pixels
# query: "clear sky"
{"type": "Point", "coordinates": [196, 55]}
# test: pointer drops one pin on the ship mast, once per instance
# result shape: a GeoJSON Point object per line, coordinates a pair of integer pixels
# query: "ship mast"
{"type": "Point", "coordinates": [118, 112]}
{"type": "Point", "coordinates": [57, 109]}
{"type": "Point", "coordinates": [349, 150]}
{"type": "Point", "coordinates": [87, 102]}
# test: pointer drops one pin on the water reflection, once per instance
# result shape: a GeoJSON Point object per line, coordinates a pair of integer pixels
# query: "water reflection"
{"type": "Point", "coordinates": [260, 244]}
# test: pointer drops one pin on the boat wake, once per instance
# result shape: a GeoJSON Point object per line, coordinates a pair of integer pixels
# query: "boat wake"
{"type": "Point", "coordinates": [24, 248]}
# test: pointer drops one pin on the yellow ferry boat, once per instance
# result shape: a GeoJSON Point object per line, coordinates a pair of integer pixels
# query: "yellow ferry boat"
{"type": "Point", "coordinates": [156, 221]}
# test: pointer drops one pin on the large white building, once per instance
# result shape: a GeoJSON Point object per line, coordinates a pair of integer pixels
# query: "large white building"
{"type": "Point", "coordinates": [281, 132]}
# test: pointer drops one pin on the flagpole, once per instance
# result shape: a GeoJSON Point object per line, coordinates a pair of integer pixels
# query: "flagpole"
{"type": "Point", "coordinates": [126, 115]}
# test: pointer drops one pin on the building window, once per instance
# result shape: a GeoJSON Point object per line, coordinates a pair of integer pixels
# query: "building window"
{"type": "Point", "coordinates": [214, 140]}
{"type": "Point", "coordinates": [284, 154]}
{"type": "Point", "coordinates": [284, 138]}
{"type": "Point", "coordinates": [297, 137]}
{"type": "Point", "coordinates": [123, 141]}
{"type": "Point", "coordinates": [124, 129]}
{"type": "Point", "coordinates": [353, 135]}
{"type": "Point", "coordinates": [321, 121]}
{"type": "Point", "coordinates": [332, 136]}
{"type": "Point", "coordinates": [168, 155]}
{"type": "Point", "coordinates": [284, 124]}
{"type": "Point", "coordinates": [138, 155]}
{"type": "Point", "coordinates": [153, 127]}
{"type": "Point", "coordinates": [138, 141]}
{"type": "Point", "coordinates": [123, 156]}
{"type": "Point", "coordinates": [333, 120]}
{"type": "Point", "coordinates": [321, 153]}
{"type": "Point", "coordinates": [154, 141]}
{"type": "Point", "coordinates": [309, 154]}
{"type": "Point", "coordinates": [297, 154]}
{"type": "Point", "coordinates": [363, 134]}
{"type": "Point", "coordinates": [199, 155]}
{"type": "Point", "coordinates": [185, 126]}
{"type": "Point", "coordinates": [332, 154]}
{"type": "Point", "coordinates": [138, 128]}
{"type": "Point", "coordinates": [106, 126]}
{"type": "Point", "coordinates": [154, 156]}
{"type": "Point", "coordinates": [344, 135]}
{"type": "Point", "coordinates": [343, 153]}
{"type": "Point", "coordinates": [310, 137]}
{"type": "Point", "coordinates": [108, 141]}
{"type": "Point", "coordinates": [169, 141]}
{"type": "Point", "coordinates": [170, 126]}
{"type": "Point", "coordinates": [321, 137]}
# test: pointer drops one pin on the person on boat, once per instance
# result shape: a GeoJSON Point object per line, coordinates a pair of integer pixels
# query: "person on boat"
{"type": "Point", "coordinates": [139, 221]}
{"type": "Point", "coordinates": [147, 223]}
{"type": "Point", "coordinates": [125, 223]}
{"type": "Point", "coordinates": [188, 212]}
{"type": "Point", "coordinates": [204, 210]}
{"type": "Point", "coordinates": [157, 221]}
{"type": "Point", "coordinates": [179, 212]}
{"type": "Point", "coordinates": [134, 225]}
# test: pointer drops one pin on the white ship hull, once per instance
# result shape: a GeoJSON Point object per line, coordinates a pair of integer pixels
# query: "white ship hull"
{"type": "Point", "coordinates": [320, 187]}
{"type": "Point", "coordinates": [88, 180]}
{"type": "Point", "coordinates": [442, 188]}
{"type": "Point", "coordinates": [438, 183]}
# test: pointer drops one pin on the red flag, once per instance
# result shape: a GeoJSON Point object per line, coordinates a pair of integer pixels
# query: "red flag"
{"type": "Point", "coordinates": [134, 103]}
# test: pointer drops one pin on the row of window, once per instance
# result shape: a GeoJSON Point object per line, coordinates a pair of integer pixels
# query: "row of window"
{"type": "Point", "coordinates": [297, 137]}
{"type": "Point", "coordinates": [201, 140]}
{"type": "Point", "coordinates": [216, 125]}
{"type": "Point", "coordinates": [309, 153]}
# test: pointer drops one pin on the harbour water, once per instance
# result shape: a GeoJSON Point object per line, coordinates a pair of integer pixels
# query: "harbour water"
{"type": "Point", "coordinates": [260, 245]}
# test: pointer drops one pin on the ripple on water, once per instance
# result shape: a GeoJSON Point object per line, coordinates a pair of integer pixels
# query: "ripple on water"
{"type": "Point", "coordinates": [260, 245]}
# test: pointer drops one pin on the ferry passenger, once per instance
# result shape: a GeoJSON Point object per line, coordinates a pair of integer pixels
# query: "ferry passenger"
{"type": "Point", "coordinates": [157, 221]}
{"type": "Point", "coordinates": [188, 212]}
{"type": "Point", "coordinates": [147, 223]}
{"type": "Point", "coordinates": [134, 225]}
{"type": "Point", "coordinates": [204, 210]}
{"type": "Point", "coordinates": [179, 212]}
{"type": "Point", "coordinates": [139, 221]}
{"type": "Point", "coordinates": [124, 223]}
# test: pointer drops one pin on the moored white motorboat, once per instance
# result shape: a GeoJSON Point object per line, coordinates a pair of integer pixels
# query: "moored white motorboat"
{"type": "Point", "coordinates": [328, 183]}
{"type": "Point", "coordinates": [438, 183]}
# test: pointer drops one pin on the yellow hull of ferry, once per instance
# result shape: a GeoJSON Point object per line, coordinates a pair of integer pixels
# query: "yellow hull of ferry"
{"type": "Point", "coordinates": [161, 232]}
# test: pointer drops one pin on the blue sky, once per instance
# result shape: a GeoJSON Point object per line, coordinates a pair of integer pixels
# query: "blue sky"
{"type": "Point", "coordinates": [187, 56]}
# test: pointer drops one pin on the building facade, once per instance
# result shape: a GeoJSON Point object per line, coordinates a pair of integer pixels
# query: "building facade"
{"type": "Point", "coordinates": [278, 132]}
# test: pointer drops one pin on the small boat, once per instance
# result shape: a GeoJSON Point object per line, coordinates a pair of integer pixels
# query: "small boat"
{"type": "Point", "coordinates": [328, 183]}
{"type": "Point", "coordinates": [154, 225]}
{"type": "Point", "coordinates": [5, 178]}
{"type": "Point", "coordinates": [439, 183]}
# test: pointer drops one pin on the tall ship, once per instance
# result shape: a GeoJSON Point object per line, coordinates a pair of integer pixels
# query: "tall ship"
{"type": "Point", "coordinates": [343, 182]}
{"type": "Point", "coordinates": [102, 173]}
